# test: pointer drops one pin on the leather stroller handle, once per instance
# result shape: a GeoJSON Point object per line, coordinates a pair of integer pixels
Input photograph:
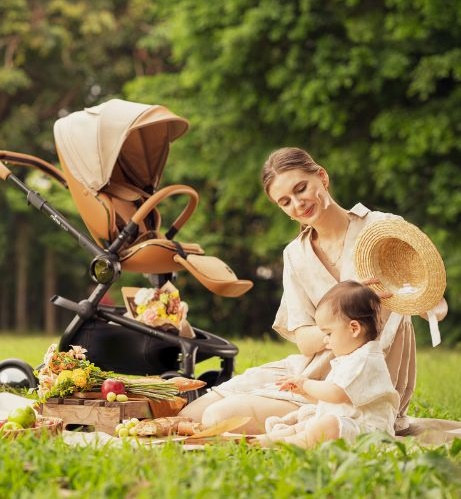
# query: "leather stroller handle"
{"type": "Point", "coordinates": [164, 193]}
{"type": "Point", "coordinates": [4, 172]}
{"type": "Point", "coordinates": [28, 160]}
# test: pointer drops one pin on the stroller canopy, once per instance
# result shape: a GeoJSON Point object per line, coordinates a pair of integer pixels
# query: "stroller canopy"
{"type": "Point", "coordinates": [121, 138]}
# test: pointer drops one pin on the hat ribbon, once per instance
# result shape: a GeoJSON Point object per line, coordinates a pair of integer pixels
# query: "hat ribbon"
{"type": "Point", "coordinates": [389, 330]}
{"type": "Point", "coordinates": [434, 327]}
{"type": "Point", "coordinates": [393, 322]}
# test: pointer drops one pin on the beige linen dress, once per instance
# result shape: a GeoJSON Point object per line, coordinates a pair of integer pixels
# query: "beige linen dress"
{"type": "Point", "coordinates": [305, 281]}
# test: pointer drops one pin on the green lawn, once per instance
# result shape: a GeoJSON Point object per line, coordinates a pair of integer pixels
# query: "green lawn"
{"type": "Point", "coordinates": [375, 466]}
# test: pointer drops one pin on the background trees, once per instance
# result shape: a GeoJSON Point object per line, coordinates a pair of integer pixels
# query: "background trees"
{"type": "Point", "coordinates": [371, 89]}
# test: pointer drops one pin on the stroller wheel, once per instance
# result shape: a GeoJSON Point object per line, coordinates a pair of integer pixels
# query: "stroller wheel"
{"type": "Point", "coordinates": [15, 373]}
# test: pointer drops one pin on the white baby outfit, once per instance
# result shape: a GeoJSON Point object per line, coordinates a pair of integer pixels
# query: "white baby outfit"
{"type": "Point", "coordinates": [365, 378]}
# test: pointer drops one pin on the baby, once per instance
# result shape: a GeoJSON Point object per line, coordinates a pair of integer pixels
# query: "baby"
{"type": "Point", "coordinates": [357, 396]}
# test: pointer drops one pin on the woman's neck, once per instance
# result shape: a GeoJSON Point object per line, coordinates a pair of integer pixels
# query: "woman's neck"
{"type": "Point", "coordinates": [332, 224]}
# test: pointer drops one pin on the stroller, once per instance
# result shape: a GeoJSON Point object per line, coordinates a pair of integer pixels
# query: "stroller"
{"type": "Point", "coordinates": [112, 158]}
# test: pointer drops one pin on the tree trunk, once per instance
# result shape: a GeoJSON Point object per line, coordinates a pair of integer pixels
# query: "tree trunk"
{"type": "Point", "coordinates": [22, 277]}
{"type": "Point", "coordinates": [4, 301]}
{"type": "Point", "coordinates": [49, 289]}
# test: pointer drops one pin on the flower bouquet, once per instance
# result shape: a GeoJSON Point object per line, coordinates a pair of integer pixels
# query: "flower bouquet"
{"type": "Point", "coordinates": [158, 307]}
{"type": "Point", "coordinates": [65, 373]}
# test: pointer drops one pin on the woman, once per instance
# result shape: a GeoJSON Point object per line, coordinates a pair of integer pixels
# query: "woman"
{"type": "Point", "coordinates": [320, 257]}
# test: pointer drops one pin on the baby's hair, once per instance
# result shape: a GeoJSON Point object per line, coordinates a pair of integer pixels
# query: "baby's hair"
{"type": "Point", "coordinates": [355, 301]}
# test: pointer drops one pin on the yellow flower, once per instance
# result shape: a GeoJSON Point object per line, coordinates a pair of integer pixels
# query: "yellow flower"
{"type": "Point", "coordinates": [79, 378]}
{"type": "Point", "coordinates": [140, 309]}
{"type": "Point", "coordinates": [64, 376]}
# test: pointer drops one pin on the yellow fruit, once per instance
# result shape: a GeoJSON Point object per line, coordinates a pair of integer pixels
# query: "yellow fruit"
{"type": "Point", "coordinates": [123, 432]}
{"type": "Point", "coordinates": [111, 397]}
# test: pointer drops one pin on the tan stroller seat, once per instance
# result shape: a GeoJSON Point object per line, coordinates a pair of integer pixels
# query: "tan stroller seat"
{"type": "Point", "coordinates": [114, 185]}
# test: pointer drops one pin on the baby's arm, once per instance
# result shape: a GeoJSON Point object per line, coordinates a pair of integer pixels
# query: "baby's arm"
{"type": "Point", "coordinates": [314, 389]}
{"type": "Point", "coordinates": [325, 391]}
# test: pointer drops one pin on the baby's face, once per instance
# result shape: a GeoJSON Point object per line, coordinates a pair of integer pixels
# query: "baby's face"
{"type": "Point", "coordinates": [338, 331]}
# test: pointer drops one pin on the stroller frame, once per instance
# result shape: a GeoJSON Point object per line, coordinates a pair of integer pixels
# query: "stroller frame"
{"type": "Point", "coordinates": [181, 353]}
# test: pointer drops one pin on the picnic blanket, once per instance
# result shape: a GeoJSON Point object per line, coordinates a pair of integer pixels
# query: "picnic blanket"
{"type": "Point", "coordinates": [429, 431]}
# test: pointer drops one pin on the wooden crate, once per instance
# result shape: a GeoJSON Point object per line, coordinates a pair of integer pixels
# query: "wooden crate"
{"type": "Point", "coordinates": [105, 416]}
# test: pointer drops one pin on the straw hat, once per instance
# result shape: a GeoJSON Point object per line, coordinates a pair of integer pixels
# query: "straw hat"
{"type": "Point", "coordinates": [405, 261]}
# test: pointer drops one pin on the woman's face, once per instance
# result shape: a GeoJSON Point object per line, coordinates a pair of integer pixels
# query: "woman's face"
{"type": "Point", "coordinates": [301, 195]}
{"type": "Point", "coordinates": [342, 336]}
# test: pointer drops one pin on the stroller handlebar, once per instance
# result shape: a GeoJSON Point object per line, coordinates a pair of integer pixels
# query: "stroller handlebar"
{"type": "Point", "coordinates": [31, 161]}
{"type": "Point", "coordinates": [4, 172]}
{"type": "Point", "coordinates": [164, 193]}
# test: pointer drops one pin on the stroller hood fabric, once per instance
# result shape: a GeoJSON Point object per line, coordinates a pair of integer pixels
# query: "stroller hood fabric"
{"type": "Point", "coordinates": [134, 136]}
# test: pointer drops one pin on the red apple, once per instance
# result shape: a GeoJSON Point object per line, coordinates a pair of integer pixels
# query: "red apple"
{"type": "Point", "coordinates": [112, 385]}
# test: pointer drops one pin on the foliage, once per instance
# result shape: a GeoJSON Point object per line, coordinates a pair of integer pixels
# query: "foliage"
{"type": "Point", "coordinates": [56, 57]}
{"type": "Point", "coordinates": [370, 88]}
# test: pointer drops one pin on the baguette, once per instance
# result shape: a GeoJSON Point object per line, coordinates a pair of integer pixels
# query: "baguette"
{"type": "Point", "coordinates": [160, 427]}
{"type": "Point", "coordinates": [187, 384]}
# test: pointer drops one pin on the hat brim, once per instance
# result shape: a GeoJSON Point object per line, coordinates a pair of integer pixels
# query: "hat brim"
{"type": "Point", "coordinates": [406, 263]}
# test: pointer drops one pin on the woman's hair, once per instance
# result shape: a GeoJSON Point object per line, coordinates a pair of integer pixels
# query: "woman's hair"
{"type": "Point", "coordinates": [286, 159]}
{"type": "Point", "coordinates": [355, 301]}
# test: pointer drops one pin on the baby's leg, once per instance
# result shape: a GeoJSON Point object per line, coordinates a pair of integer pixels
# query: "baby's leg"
{"type": "Point", "coordinates": [316, 431]}
{"type": "Point", "coordinates": [258, 408]}
{"type": "Point", "coordinates": [268, 439]}
{"type": "Point", "coordinates": [306, 434]}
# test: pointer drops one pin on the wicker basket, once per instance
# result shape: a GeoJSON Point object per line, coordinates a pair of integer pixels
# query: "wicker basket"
{"type": "Point", "coordinates": [43, 425]}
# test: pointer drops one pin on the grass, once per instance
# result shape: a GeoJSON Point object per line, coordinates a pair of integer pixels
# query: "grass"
{"type": "Point", "coordinates": [374, 466]}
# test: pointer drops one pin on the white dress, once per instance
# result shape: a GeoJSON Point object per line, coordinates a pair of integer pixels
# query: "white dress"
{"type": "Point", "coordinates": [305, 281]}
{"type": "Point", "coordinates": [364, 376]}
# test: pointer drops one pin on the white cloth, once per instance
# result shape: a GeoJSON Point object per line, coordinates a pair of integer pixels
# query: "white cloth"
{"type": "Point", "coordinates": [364, 376]}
{"type": "Point", "coordinates": [10, 401]}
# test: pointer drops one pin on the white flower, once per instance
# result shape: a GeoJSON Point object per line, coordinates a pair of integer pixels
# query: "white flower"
{"type": "Point", "coordinates": [78, 352]}
{"type": "Point", "coordinates": [49, 353]}
{"type": "Point", "coordinates": [144, 296]}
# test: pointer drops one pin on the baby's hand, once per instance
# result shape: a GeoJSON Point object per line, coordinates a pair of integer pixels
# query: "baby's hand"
{"type": "Point", "coordinates": [291, 383]}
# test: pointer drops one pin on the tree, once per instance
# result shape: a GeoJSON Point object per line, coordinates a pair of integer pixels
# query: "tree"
{"type": "Point", "coordinates": [56, 57]}
{"type": "Point", "coordinates": [370, 88]}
